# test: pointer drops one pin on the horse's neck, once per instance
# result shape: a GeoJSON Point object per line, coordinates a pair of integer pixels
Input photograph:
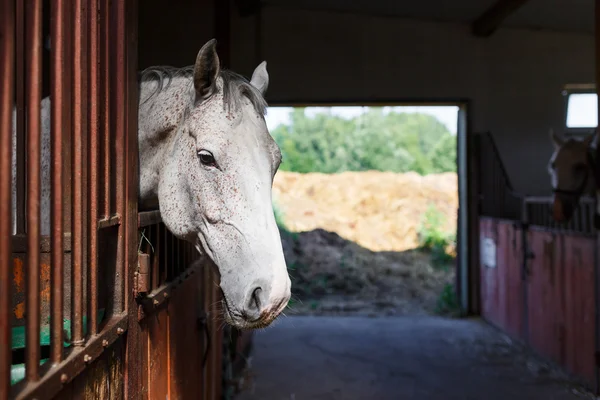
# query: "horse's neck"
{"type": "Point", "coordinates": [159, 116]}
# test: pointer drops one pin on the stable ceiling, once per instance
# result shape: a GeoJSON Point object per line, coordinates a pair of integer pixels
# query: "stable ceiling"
{"type": "Point", "coordinates": [561, 15]}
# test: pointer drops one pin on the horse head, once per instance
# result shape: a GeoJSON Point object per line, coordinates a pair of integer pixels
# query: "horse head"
{"type": "Point", "coordinates": [572, 174]}
{"type": "Point", "coordinates": [214, 177]}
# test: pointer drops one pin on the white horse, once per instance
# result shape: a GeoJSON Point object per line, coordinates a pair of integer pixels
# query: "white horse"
{"type": "Point", "coordinates": [207, 161]}
{"type": "Point", "coordinates": [572, 170]}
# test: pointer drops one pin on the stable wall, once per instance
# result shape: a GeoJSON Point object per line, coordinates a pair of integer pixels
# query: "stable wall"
{"type": "Point", "coordinates": [513, 79]}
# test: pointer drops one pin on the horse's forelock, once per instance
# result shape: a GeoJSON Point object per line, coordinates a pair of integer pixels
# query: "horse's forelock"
{"type": "Point", "coordinates": [234, 86]}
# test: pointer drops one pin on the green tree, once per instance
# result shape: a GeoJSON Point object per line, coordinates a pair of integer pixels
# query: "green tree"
{"type": "Point", "coordinates": [397, 142]}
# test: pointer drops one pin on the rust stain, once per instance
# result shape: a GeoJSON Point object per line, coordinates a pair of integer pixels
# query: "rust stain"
{"type": "Point", "coordinates": [20, 310]}
{"type": "Point", "coordinates": [45, 282]}
{"type": "Point", "coordinates": [18, 275]}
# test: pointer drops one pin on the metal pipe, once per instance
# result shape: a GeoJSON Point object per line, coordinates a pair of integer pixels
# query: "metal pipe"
{"type": "Point", "coordinates": [93, 168]}
{"type": "Point", "coordinates": [77, 159]}
{"type": "Point", "coordinates": [105, 110]}
{"type": "Point", "coordinates": [7, 78]}
{"type": "Point", "coordinates": [20, 155]}
{"type": "Point", "coordinates": [118, 113]}
{"type": "Point", "coordinates": [33, 65]}
{"type": "Point", "coordinates": [57, 73]}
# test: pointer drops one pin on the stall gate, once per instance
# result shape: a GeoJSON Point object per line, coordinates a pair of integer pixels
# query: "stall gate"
{"type": "Point", "coordinates": [539, 278]}
{"type": "Point", "coordinates": [102, 302]}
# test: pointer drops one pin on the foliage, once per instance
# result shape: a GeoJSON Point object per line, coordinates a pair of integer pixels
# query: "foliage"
{"type": "Point", "coordinates": [447, 302]}
{"type": "Point", "coordinates": [433, 239]}
{"type": "Point", "coordinates": [397, 142]}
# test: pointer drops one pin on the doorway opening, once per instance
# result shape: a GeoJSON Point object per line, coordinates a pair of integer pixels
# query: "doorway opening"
{"type": "Point", "coordinates": [367, 201]}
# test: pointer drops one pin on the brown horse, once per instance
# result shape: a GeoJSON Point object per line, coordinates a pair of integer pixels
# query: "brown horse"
{"type": "Point", "coordinates": [572, 170]}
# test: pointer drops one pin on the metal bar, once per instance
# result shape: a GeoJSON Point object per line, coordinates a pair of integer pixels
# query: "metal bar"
{"type": "Point", "coordinates": [105, 101]}
{"type": "Point", "coordinates": [108, 222]}
{"type": "Point", "coordinates": [118, 113]}
{"type": "Point", "coordinates": [7, 78]}
{"type": "Point", "coordinates": [135, 342]}
{"type": "Point", "coordinates": [33, 65]}
{"type": "Point", "coordinates": [55, 379]}
{"type": "Point", "coordinates": [161, 294]}
{"type": "Point", "coordinates": [57, 72]}
{"type": "Point", "coordinates": [147, 218]}
{"type": "Point", "coordinates": [21, 153]}
{"type": "Point", "coordinates": [77, 160]}
{"type": "Point", "coordinates": [93, 167]}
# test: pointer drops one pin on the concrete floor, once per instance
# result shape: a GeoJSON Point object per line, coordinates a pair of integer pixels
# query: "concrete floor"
{"type": "Point", "coordinates": [402, 358]}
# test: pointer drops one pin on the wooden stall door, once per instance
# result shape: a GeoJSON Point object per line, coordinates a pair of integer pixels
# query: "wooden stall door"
{"type": "Point", "coordinates": [502, 289]}
{"type": "Point", "coordinates": [177, 297]}
{"type": "Point", "coordinates": [173, 344]}
{"type": "Point", "coordinates": [561, 297]}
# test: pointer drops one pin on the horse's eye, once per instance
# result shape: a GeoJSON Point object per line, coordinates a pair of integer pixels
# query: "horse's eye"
{"type": "Point", "coordinates": [206, 158]}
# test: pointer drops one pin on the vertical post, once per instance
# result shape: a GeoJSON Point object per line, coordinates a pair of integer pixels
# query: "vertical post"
{"type": "Point", "coordinates": [133, 374]}
{"type": "Point", "coordinates": [57, 73]}
{"type": "Point", "coordinates": [20, 97]}
{"type": "Point", "coordinates": [92, 250]}
{"type": "Point", "coordinates": [105, 39]}
{"type": "Point", "coordinates": [7, 79]}
{"type": "Point", "coordinates": [33, 65]}
{"type": "Point", "coordinates": [118, 120]}
{"type": "Point", "coordinates": [464, 239]}
{"type": "Point", "coordinates": [78, 33]}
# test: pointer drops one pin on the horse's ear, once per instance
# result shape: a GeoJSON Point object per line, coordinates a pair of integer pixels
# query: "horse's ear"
{"type": "Point", "coordinates": [557, 140]}
{"type": "Point", "coordinates": [206, 70]}
{"type": "Point", "coordinates": [260, 78]}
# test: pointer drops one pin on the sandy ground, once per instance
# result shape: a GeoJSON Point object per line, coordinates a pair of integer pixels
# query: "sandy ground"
{"type": "Point", "coordinates": [380, 211]}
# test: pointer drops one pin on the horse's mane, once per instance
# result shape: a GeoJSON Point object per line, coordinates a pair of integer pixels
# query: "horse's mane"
{"type": "Point", "coordinates": [235, 86]}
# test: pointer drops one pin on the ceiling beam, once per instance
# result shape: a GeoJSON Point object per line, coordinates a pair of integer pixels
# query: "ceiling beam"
{"type": "Point", "coordinates": [493, 17]}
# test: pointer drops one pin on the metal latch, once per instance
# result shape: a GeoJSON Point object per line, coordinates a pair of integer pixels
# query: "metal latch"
{"type": "Point", "coordinates": [142, 275]}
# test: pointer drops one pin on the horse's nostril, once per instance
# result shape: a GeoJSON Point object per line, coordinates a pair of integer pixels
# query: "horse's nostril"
{"type": "Point", "coordinates": [255, 298]}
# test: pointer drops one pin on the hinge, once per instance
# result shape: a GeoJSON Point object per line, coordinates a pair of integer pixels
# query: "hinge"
{"type": "Point", "coordinates": [142, 284]}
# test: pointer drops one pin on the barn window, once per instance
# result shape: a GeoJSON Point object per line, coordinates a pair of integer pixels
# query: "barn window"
{"type": "Point", "coordinates": [581, 109]}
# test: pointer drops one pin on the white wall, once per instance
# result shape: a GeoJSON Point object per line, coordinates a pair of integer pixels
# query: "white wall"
{"type": "Point", "coordinates": [513, 79]}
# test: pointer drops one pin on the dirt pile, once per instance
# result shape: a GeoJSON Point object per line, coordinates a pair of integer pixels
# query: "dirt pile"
{"type": "Point", "coordinates": [333, 275]}
{"type": "Point", "coordinates": [378, 210]}
{"type": "Point", "coordinates": [350, 241]}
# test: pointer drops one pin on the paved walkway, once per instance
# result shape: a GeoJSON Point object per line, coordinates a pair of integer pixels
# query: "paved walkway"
{"type": "Point", "coordinates": [405, 358]}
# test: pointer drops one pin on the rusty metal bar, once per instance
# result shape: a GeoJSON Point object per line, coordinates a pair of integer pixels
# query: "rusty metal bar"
{"type": "Point", "coordinates": [105, 41]}
{"type": "Point", "coordinates": [55, 379]}
{"type": "Point", "coordinates": [21, 153]}
{"type": "Point", "coordinates": [148, 218]}
{"type": "Point", "coordinates": [33, 65]}
{"type": "Point", "coordinates": [93, 167]}
{"type": "Point", "coordinates": [161, 294]}
{"type": "Point", "coordinates": [77, 161]}
{"type": "Point", "coordinates": [118, 113]}
{"type": "Point", "coordinates": [7, 78]}
{"type": "Point", "coordinates": [57, 73]}
{"type": "Point", "coordinates": [108, 222]}
{"type": "Point", "coordinates": [135, 339]}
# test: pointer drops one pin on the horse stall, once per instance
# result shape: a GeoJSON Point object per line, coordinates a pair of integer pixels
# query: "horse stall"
{"type": "Point", "coordinates": [97, 298]}
{"type": "Point", "coordinates": [538, 276]}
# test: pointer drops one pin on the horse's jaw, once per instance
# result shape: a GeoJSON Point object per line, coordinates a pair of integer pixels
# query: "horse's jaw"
{"type": "Point", "coordinates": [252, 272]}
